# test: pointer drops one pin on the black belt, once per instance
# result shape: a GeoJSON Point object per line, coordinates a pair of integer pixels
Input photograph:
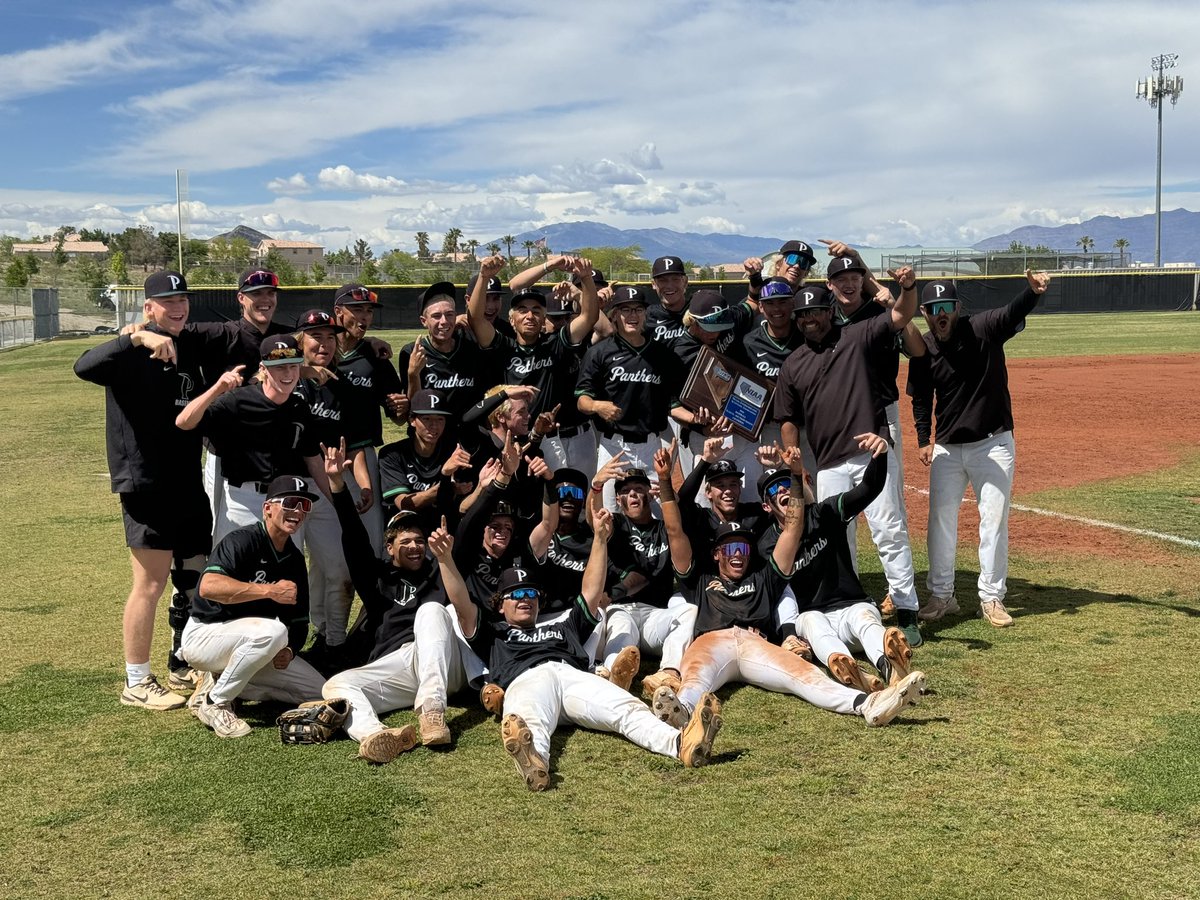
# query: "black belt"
{"type": "Point", "coordinates": [572, 430]}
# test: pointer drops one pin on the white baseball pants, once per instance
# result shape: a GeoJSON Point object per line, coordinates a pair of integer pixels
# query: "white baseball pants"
{"type": "Point", "coordinates": [239, 654]}
{"type": "Point", "coordinates": [330, 590]}
{"type": "Point", "coordinates": [855, 627]}
{"type": "Point", "coordinates": [666, 632]}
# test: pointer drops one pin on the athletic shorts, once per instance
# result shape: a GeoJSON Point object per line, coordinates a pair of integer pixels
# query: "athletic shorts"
{"type": "Point", "coordinates": [172, 519]}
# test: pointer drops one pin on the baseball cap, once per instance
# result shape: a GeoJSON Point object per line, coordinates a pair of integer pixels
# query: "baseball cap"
{"type": "Point", "coordinates": [770, 477]}
{"type": "Point", "coordinates": [527, 294]}
{"type": "Point", "coordinates": [840, 264]}
{"type": "Point", "coordinates": [597, 279]}
{"type": "Point", "coordinates": [318, 318]}
{"type": "Point", "coordinates": [289, 486]}
{"type": "Point", "coordinates": [626, 295]}
{"type": "Point", "coordinates": [936, 291]}
{"type": "Point", "coordinates": [556, 307]}
{"type": "Point", "coordinates": [405, 518]}
{"type": "Point", "coordinates": [355, 295]}
{"type": "Point", "coordinates": [710, 310]}
{"type": "Point", "coordinates": [504, 508]}
{"type": "Point", "coordinates": [567, 475]}
{"type": "Point", "coordinates": [733, 531]}
{"type": "Point", "coordinates": [442, 290]}
{"type": "Point", "coordinates": [813, 296]}
{"type": "Point", "coordinates": [253, 280]}
{"type": "Point", "coordinates": [280, 350]}
{"type": "Point", "coordinates": [630, 476]}
{"type": "Point", "coordinates": [802, 250]}
{"type": "Point", "coordinates": [721, 468]}
{"type": "Point", "coordinates": [165, 284]}
{"type": "Point", "coordinates": [667, 265]}
{"type": "Point", "coordinates": [494, 285]}
{"type": "Point", "coordinates": [514, 578]}
{"type": "Point", "coordinates": [428, 403]}
{"type": "Point", "coordinates": [776, 289]}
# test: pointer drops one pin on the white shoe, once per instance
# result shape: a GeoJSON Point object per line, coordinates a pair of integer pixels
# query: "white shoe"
{"type": "Point", "coordinates": [149, 694]}
{"type": "Point", "coordinates": [882, 707]}
{"type": "Point", "coordinates": [221, 718]}
{"type": "Point", "coordinates": [994, 612]}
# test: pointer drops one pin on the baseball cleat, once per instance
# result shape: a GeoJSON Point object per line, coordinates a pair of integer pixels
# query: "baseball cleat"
{"type": "Point", "coordinates": [384, 746]}
{"type": "Point", "coordinates": [847, 670]}
{"type": "Point", "coordinates": [898, 654]}
{"type": "Point", "coordinates": [886, 606]}
{"type": "Point", "coordinates": [994, 612]}
{"type": "Point", "coordinates": [663, 677]}
{"type": "Point", "coordinates": [881, 708]}
{"type": "Point", "coordinates": [221, 718]}
{"type": "Point", "coordinates": [434, 730]}
{"type": "Point", "coordinates": [696, 740]}
{"type": "Point", "coordinates": [936, 607]}
{"type": "Point", "coordinates": [666, 706]}
{"type": "Point", "coordinates": [200, 694]}
{"type": "Point", "coordinates": [149, 694]}
{"type": "Point", "coordinates": [492, 698]}
{"type": "Point", "coordinates": [518, 743]}
{"type": "Point", "coordinates": [625, 667]}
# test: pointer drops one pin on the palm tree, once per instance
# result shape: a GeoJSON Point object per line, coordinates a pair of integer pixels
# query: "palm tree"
{"type": "Point", "coordinates": [508, 240]}
{"type": "Point", "coordinates": [450, 242]}
{"type": "Point", "coordinates": [422, 245]}
{"type": "Point", "coordinates": [471, 245]}
{"type": "Point", "coordinates": [528, 247]}
{"type": "Point", "coordinates": [493, 249]}
{"type": "Point", "coordinates": [1121, 245]}
{"type": "Point", "coordinates": [1086, 243]}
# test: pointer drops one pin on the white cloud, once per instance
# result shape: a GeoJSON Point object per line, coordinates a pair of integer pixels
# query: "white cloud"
{"type": "Point", "coordinates": [296, 184]}
{"type": "Point", "coordinates": [646, 157]}
{"type": "Point", "coordinates": [716, 225]}
{"type": "Point", "coordinates": [343, 178]}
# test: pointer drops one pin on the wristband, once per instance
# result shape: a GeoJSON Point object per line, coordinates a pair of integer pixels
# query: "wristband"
{"type": "Point", "coordinates": [756, 279]}
{"type": "Point", "coordinates": [502, 484]}
{"type": "Point", "coordinates": [597, 490]}
{"type": "Point", "coordinates": [911, 287]}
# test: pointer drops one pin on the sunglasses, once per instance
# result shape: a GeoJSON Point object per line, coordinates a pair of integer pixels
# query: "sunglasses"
{"type": "Point", "coordinates": [734, 548]}
{"type": "Point", "coordinates": [941, 307]}
{"type": "Point", "coordinates": [524, 594]}
{"type": "Point", "coordinates": [784, 485]}
{"type": "Point", "coordinates": [362, 295]}
{"type": "Point", "coordinates": [321, 318]}
{"type": "Point", "coordinates": [284, 353]}
{"type": "Point", "coordinates": [776, 290]}
{"type": "Point", "coordinates": [303, 504]}
{"type": "Point", "coordinates": [570, 492]}
{"type": "Point", "coordinates": [797, 259]}
{"type": "Point", "coordinates": [261, 279]}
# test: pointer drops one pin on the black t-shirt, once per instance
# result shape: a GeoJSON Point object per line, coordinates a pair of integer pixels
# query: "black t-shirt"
{"type": "Point", "coordinates": [561, 574]}
{"type": "Point", "coordinates": [545, 365]}
{"type": "Point", "coordinates": [367, 379]}
{"type": "Point", "coordinates": [256, 439]}
{"type": "Point", "coordinates": [248, 555]}
{"type": "Point", "coordinates": [888, 366]}
{"type": "Point", "coordinates": [325, 406]}
{"type": "Point", "coordinates": [642, 549]}
{"type": "Point", "coordinates": [237, 342]}
{"type": "Point", "coordinates": [832, 388]}
{"type": "Point", "coordinates": [643, 381]}
{"type": "Point", "coordinates": [764, 353]}
{"type": "Point", "coordinates": [402, 470]}
{"type": "Point", "coordinates": [749, 603]}
{"type": "Point", "coordinates": [461, 376]}
{"type": "Point", "coordinates": [142, 397]}
{"type": "Point", "coordinates": [511, 651]}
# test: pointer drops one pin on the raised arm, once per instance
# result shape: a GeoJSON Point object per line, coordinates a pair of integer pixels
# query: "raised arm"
{"type": "Point", "coordinates": [527, 278]}
{"type": "Point", "coordinates": [589, 302]}
{"type": "Point", "coordinates": [906, 307]}
{"type": "Point", "coordinates": [476, 303]}
{"type": "Point", "coordinates": [793, 522]}
{"type": "Point", "coordinates": [539, 538]}
{"type": "Point", "coordinates": [441, 545]}
{"type": "Point", "coordinates": [677, 539]}
{"type": "Point", "coordinates": [596, 572]}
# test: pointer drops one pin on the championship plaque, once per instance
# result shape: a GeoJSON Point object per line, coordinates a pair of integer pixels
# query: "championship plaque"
{"type": "Point", "coordinates": [729, 389]}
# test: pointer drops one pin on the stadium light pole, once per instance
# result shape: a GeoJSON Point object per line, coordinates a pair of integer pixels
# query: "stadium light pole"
{"type": "Point", "coordinates": [1156, 89]}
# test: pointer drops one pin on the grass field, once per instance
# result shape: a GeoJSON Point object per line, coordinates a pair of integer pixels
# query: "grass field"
{"type": "Point", "coordinates": [1057, 758]}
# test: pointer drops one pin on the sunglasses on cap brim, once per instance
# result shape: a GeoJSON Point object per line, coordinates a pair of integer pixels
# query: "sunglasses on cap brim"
{"type": "Point", "coordinates": [358, 295]}
{"type": "Point", "coordinates": [260, 279]}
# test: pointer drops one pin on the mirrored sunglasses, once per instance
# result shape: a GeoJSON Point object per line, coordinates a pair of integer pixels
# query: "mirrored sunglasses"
{"type": "Point", "coordinates": [362, 295]}
{"type": "Point", "coordinates": [303, 504]}
{"type": "Point", "coordinates": [261, 278]}
{"type": "Point", "coordinates": [941, 307]}
{"type": "Point", "coordinates": [776, 290]}
{"type": "Point", "coordinates": [797, 259]}
{"type": "Point", "coordinates": [524, 594]}
{"type": "Point", "coordinates": [570, 492]}
{"type": "Point", "coordinates": [784, 485]}
{"type": "Point", "coordinates": [734, 548]}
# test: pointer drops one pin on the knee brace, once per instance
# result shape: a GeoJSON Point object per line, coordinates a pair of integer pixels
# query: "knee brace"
{"type": "Point", "coordinates": [185, 579]}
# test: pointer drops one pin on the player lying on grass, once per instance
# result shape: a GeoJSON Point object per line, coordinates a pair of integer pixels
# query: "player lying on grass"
{"type": "Point", "coordinates": [737, 626]}
{"type": "Point", "coordinates": [543, 671]}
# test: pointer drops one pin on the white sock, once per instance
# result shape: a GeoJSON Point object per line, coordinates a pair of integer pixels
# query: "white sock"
{"type": "Point", "coordinates": [135, 672]}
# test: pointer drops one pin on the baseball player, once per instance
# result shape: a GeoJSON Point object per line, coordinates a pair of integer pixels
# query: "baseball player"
{"type": "Point", "coordinates": [260, 431]}
{"type": "Point", "coordinates": [572, 444]}
{"type": "Point", "coordinates": [411, 470]}
{"type": "Point", "coordinates": [738, 625]}
{"type": "Point", "coordinates": [505, 413]}
{"type": "Point", "coordinates": [249, 618]}
{"type": "Point", "coordinates": [965, 374]}
{"type": "Point", "coordinates": [831, 386]}
{"type": "Point", "coordinates": [543, 671]}
{"type": "Point", "coordinates": [629, 383]}
{"type": "Point", "coordinates": [415, 658]}
{"type": "Point", "coordinates": [146, 376]}
{"type": "Point", "coordinates": [722, 481]}
{"type": "Point", "coordinates": [494, 293]}
{"type": "Point", "coordinates": [793, 263]}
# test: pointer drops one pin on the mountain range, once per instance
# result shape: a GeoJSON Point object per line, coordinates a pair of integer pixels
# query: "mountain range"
{"type": "Point", "coordinates": [1181, 239]}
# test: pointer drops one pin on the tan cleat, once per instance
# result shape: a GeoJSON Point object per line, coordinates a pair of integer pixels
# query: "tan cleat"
{"type": "Point", "coordinates": [221, 718]}
{"type": "Point", "coordinates": [434, 731]}
{"type": "Point", "coordinates": [200, 694]}
{"type": "Point", "coordinates": [696, 739]}
{"type": "Point", "coordinates": [881, 708]}
{"type": "Point", "coordinates": [662, 678]}
{"type": "Point", "coordinates": [898, 655]}
{"type": "Point", "coordinates": [886, 606]}
{"type": "Point", "coordinates": [994, 612]}
{"type": "Point", "coordinates": [183, 681]}
{"type": "Point", "coordinates": [666, 707]}
{"type": "Point", "coordinates": [384, 746]}
{"type": "Point", "coordinates": [149, 694]}
{"type": "Point", "coordinates": [847, 670]}
{"type": "Point", "coordinates": [492, 697]}
{"type": "Point", "coordinates": [625, 667]}
{"type": "Point", "coordinates": [518, 743]}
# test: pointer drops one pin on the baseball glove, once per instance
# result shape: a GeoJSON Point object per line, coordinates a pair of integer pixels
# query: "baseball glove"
{"type": "Point", "coordinates": [313, 723]}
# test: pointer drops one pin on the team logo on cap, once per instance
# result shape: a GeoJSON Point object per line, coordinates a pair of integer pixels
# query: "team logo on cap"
{"type": "Point", "coordinates": [938, 290]}
{"type": "Point", "coordinates": [521, 574]}
{"type": "Point", "coordinates": [433, 399]}
{"type": "Point", "coordinates": [298, 484]}
{"type": "Point", "coordinates": [176, 281]}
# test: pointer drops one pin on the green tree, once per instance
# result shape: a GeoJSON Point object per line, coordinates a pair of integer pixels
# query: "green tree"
{"type": "Point", "coordinates": [92, 275]}
{"type": "Point", "coordinates": [619, 263]}
{"type": "Point", "coordinates": [32, 266]}
{"type": "Point", "coordinates": [341, 257]}
{"type": "Point", "coordinates": [508, 240]}
{"type": "Point", "coordinates": [318, 273]}
{"type": "Point", "coordinates": [59, 256]}
{"type": "Point", "coordinates": [117, 268]}
{"type": "Point", "coordinates": [450, 242]}
{"type": "Point", "coordinates": [471, 245]}
{"type": "Point", "coordinates": [493, 249]}
{"type": "Point", "coordinates": [234, 253]}
{"type": "Point", "coordinates": [277, 263]}
{"type": "Point", "coordinates": [398, 266]}
{"type": "Point", "coordinates": [1121, 245]}
{"type": "Point", "coordinates": [140, 246]}
{"type": "Point", "coordinates": [422, 245]}
{"type": "Point", "coordinates": [16, 275]}
{"type": "Point", "coordinates": [94, 234]}
{"type": "Point", "coordinates": [369, 273]}
{"type": "Point", "coordinates": [363, 252]}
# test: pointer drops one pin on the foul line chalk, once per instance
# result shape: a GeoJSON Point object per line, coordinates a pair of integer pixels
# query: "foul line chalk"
{"type": "Point", "coordinates": [1095, 523]}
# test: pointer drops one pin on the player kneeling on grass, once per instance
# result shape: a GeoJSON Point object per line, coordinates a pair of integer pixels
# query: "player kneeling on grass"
{"type": "Point", "coordinates": [415, 661]}
{"type": "Point", "coordinates": [832, 611]}
{"type": "Point", "coordinates": [737, 623]}
{"type": "Point", "coordinates": [250, 615]}
{"type": "Point", "coordinates": [543, 670]}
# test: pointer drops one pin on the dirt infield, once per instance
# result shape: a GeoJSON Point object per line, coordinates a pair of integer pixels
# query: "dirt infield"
{"type": "Point", "coordinates": [1081, 420]}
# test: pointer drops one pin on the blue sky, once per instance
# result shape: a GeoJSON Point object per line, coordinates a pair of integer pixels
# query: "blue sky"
{"type": "Point", "coordinates": [883, 123]}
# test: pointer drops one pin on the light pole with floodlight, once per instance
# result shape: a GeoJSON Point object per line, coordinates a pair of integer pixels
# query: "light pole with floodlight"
{"type": "Point", "coordinates": [1156, 89]}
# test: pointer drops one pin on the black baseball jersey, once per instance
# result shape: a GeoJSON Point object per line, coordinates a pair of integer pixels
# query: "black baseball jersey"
{"type": "Point", "coordinates": [749, 603]}
{"type": "Point", "coordinates": [258, 439]}
{"type": "Point", "coordinates": [728, 343]}
{"type": "Point", "coordinates": [248, 555]}
{"type": "Point", "coordinates": [325, 406]}
{"type": "Point", "coordinates": [545, 365]}
{"type": "Point", "coordinates": [968, 375]}
{"type": "Point", "coordinates": [766, 355]}
{"type": "Point", "coordinates": [142, 397]}
{"type": "Point", "coordinates": [511, 651]}
{"type": "Point", "coordinates": [823, 575]}
{"type": "Point", "coordinates": [479, 569]}
{"type": "Point", "coordinates": [390, 594]}
{"type": "Point", "coordinates": [368, 379]}
{"type": "Point", "coordinates": [461, 376]}
{"type": "Point", "coordinates": [701, 523]}
{"type": "Point", "coordinates": [402, 470]}
{"type": "Point", "coordinates": [561, 575]}
{"type": "Point", "coordinates": [832, 387]}
{"type": "Point", "coordinates": [237, 342]}
{"type": "Point", "coordinates": [667, 327]}
{"type": "Point", "coordinates": [643, 381]}
{"type": "Point", "coordinates": [642, 549]}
